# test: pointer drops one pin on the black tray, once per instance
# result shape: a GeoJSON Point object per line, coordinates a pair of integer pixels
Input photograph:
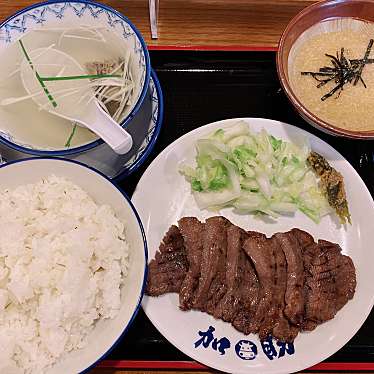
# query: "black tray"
{"type": "Point", "coordinates": [201, 87]}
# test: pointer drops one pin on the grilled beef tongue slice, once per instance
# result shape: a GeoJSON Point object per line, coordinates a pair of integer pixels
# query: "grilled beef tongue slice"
{"type": "Point", "coordinates": [294, 295]}
{"type": "Point", "coordinates": [249, 297]}
{"type": "Point", "coordinates": [331, 282]}
{"type": "Point", "coordinates": [260, 251]}
{"type": "Point", "coordinates": [310, 249]}
{"type": "Point", "coordinates": [213, 259]}
{"type": "Point", "coordinates": [283, 330]}
{"type": "Point", "coordinates": [192, 231]}
{"type": "Point", "coordinates": [345, 279]}
{"type": "Point", "coordinates": [249, 293]}
{"type": "Point", "coordinates": [169, 267]}
{"type": "Point", "coordinates": [330, 279]}
{"type": "Point", "coordinates": [304, 238]}
{"type": "Point", "coordinates": [228, 306]}
{"type": "Point", "coordinates": [272, 316]}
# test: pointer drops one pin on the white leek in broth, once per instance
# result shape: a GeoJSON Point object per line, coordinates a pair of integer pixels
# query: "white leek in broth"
{"type": "Point", "coordinates": [109, 80]}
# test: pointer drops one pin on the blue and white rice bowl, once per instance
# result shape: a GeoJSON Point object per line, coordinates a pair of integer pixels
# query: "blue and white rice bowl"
{"type": "Point", "coordinates": [21, 129]}
{"type": "Point", "coordinates": [106, 333]}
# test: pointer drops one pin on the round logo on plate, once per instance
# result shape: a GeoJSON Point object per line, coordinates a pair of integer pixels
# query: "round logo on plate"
{"type": "Point", "coordinates": [246, 350]}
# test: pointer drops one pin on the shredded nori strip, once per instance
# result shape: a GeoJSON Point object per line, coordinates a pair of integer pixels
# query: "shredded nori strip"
{"type": "Point", "coordinates": [363, 62]}
{"type": "Point", "coordinates": [342, 71]}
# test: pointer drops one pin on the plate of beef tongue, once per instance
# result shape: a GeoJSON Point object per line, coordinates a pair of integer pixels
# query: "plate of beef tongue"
{"type": "Point", "coordinates": [248, 295]}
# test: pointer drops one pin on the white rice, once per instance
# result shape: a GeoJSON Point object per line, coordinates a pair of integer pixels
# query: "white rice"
{"type": "Point", "coordinates": [63, 260]}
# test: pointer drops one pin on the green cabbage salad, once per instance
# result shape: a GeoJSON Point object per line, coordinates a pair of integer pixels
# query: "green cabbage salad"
{"type": "Point", "coordinates": [254, 173]}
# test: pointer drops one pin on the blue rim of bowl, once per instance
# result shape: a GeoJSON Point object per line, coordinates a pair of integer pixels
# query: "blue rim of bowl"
{"type": "Point", "coordinates": [138, 305]}
{"type": "Point", "coordinates": [136, 165]}
{"type": "Point", "coordinates": [137, 106]}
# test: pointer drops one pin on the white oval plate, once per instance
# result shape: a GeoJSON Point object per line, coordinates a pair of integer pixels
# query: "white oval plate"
{"type": "Point", "coordinates": [163, 196]}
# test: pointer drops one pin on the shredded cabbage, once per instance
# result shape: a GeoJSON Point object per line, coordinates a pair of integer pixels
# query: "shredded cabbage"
{"type": "Point", "coordinates": [254, 173]}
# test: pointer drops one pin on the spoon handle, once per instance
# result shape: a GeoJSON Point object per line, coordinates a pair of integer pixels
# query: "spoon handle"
{"type": "Point", "coordinates": [110, 131]}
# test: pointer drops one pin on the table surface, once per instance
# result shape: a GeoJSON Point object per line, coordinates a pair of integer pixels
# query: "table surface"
{"type": "Point", "coordinates": [217, 24]}
{"type": "Point", "coordinates": [201, 24]}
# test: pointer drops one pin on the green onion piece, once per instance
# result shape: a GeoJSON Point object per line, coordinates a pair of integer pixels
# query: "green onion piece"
{"type": "Point", "coordinates": [68, 142]}
{"type": "Point", "coordinates": [73, 77]}
{"type": "Point", "coordinates": [51, 99]}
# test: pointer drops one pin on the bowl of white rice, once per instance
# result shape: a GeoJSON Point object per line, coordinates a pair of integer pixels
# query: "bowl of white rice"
{"type": "Point", "coordinates": [73, 261]}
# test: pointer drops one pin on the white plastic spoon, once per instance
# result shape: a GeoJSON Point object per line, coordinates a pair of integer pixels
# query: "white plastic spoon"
{"type": "Point", "coordinates": [85, 112]}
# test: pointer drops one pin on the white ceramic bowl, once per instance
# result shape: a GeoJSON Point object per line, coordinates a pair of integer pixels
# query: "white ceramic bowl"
{"type": "Point", "coordinates": [32, 133]}
{"type": "Point", "coordinates": [106, 332]}
{"type": "Point", "coordinates": [144, 127]}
